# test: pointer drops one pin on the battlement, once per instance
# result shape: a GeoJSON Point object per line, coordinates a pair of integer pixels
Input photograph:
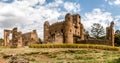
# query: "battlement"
{"type": "Point", "coordinates": [55, 24]}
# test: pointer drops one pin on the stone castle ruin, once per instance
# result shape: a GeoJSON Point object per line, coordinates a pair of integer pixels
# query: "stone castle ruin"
{"type": "Point", "coordinates": [68, 31]}
{"type": "Point", "coordinates": [19, 39]}
{"type": "Point", "coordinates": [71, 31]}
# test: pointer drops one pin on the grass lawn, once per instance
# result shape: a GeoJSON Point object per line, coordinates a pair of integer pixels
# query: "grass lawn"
{"type": "Point", "coordinates": [61, 55]}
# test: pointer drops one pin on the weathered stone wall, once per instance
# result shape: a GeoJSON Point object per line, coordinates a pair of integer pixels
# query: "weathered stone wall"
{"type": "Point", "coordinates": [64, 31]}
{"type": "Point", "coordinates": [94, 41]}
{"type": "Point", "coordinates": [19, 39]}
{"type": "Point", "coordinates": [6, 37]}
{"type": "Point", "coordinates": [30, 37]}
{"type": "Point", "coordinates": [108, 41]}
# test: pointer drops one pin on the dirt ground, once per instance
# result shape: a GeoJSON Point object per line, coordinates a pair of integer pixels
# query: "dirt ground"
{"type": "Point", "coordinates": [59, 55]}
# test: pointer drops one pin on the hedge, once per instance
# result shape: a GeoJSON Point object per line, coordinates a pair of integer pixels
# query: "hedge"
{"type": "Point", "coordinates": [92, 46]}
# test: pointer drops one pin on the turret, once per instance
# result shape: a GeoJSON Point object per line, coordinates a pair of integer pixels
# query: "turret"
{"type": "Point", "coordinates": [112, 32]}
{"type": "Point", "coordinates": [82, 32]}
{"type": "Point", "coordinates": [76, 20]}
{"type": "Point", "coordinates": [46, 30]}
{"type": "Point", "coordinates": [68, 28]}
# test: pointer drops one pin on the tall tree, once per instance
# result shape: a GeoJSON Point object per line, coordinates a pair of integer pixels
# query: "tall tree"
{"type": "Point", "coordinates": [117, 38]}
{"type": "Point", "coordinates": [97, 30]}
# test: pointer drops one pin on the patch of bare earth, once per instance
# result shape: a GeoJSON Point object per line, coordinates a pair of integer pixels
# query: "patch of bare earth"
{"type": "Point", "coordinates": [59, 55]}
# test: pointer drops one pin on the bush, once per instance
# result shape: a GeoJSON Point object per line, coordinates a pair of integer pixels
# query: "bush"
{"type": "Point", "coordinates": [102, 47]}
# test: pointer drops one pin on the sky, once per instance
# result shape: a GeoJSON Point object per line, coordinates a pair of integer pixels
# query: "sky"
{"type": "Point", "coordinates": [28, 15]}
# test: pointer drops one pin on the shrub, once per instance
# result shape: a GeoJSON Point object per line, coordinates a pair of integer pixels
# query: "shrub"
{"type": "Point", "coordinates": [102, 47]}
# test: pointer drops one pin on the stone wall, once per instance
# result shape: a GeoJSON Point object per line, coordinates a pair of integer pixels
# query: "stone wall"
{"type": "Point", "coordinates": [30, 37]}
{"type": "Point", "coordinates": [64, 31]}
{"type": "Point", "coordinates": [19, 39]}
{"type": "Point", "coordinates": [94, 41]}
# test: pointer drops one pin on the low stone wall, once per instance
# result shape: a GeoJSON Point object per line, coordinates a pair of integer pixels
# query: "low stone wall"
{"type": "Point", "coordinates": [94, 41]}
{"type": "Point", "coordinates": [1, 42]}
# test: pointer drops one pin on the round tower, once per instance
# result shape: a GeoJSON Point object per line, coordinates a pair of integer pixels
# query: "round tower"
{"type": "Point", "coordinates": [46, 30]}
{"type": "Point", "coordinates": [112, 32]}
{"type": "Point", "coordinates": [68, 28]}
{"type": "Point", "coordinates": [78, 18]}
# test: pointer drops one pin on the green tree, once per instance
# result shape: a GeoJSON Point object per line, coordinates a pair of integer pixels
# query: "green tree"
{"type": "Point", "coordinates": [117, 38]}
{"type": "Point", "coordinates": [97, 30]}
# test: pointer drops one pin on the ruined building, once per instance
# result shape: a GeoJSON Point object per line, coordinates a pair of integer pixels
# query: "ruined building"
{"type": "Point", "coordinates": [19, 39]}
{"type": "Point", "coordinates": [71, 30]}
{"type": "Point", "coordinates": [110, 33]}
{"type": "Point", "coordinates": [68, 31]}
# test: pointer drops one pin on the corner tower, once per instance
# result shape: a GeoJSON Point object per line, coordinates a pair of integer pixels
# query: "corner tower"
{"type": "Point", "coordinates": [46, 31]}
{"type": "Point", "coordinates": [68, 28]}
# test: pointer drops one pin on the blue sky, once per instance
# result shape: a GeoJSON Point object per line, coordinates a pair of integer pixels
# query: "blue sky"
{"type": "Point", "coordinates": [28, 15]}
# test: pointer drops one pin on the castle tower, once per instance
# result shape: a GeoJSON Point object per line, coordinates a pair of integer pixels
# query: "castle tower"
{"type": "Point", "coordinates": [77, 20]}
{"type": "Point", "coordinates": [82, 32]}
{"type": "Point", "coordinates": [68, 28]}
{"type": "Point", "coordinates": [46, 31]}
{"type": "Point", "coordinates": [112, 32]}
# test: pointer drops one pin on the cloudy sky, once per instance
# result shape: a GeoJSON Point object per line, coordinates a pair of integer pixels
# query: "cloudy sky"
{"type": "Point", "coordinates": [28, 15]}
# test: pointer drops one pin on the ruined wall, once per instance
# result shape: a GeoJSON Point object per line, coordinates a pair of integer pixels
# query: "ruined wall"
{"type": "Point", "coordinates": [16, 38]}
{"type": "Point", "coordinates": [6, 37]}
{"type": "Point", "coordinates": [94, 41]}
{"type": "Point", "coordinates": [30, 37]}
{"type": "Point", "coordinates": [108, 41]}
{"type": "Point", "coordinates": [19, 39]}
{"type": "Point", "coordinates": [65, 31]}
{"type": "Point", "coordinates": [54, 33]}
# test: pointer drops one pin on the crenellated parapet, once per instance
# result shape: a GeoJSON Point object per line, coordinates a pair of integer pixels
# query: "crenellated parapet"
{"type": "Point", "coordinates": [56, 23]}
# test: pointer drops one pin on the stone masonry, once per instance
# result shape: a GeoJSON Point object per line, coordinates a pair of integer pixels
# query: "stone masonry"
{"type": "Point", "coordinates": [19, 39]}
{"type": "Point", "coordinates": [71, 30]}
{"type": "Point", "coordinates": [68, 31]}
{"type": "Point", "coordinates": [110, 33]}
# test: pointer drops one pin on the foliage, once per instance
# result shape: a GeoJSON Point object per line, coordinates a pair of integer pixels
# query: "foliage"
{"type": "Point", "coordinates": [117, 38]}
{"type": "Point", "coordinates": [97, 30]}
{"type": "Point", "coordinates": [92, 46]}
{"type": "Point", "coordinates": [1, 39]}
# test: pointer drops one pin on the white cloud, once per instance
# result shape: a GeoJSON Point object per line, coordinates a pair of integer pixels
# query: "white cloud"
{"type": "Point", "coordinates": [96, 16]}
{"type": "Point", "coordinates": [114, 2]}
{"type": "Point", "coordinates": [72, 7]}
{"type": "Point", "coordinates": [31, 14]}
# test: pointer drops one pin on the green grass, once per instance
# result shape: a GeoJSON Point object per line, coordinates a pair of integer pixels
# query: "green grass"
{"type": "Point", "coordinates": [102, 47]}
{"type": "Point", "coordinates": [62, 55]}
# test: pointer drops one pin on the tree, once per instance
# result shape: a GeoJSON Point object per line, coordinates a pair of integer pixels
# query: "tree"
{"type": "Point", "coordinates": [97, 30]}
{"type": "Point", "coordinates": [117, 38]}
